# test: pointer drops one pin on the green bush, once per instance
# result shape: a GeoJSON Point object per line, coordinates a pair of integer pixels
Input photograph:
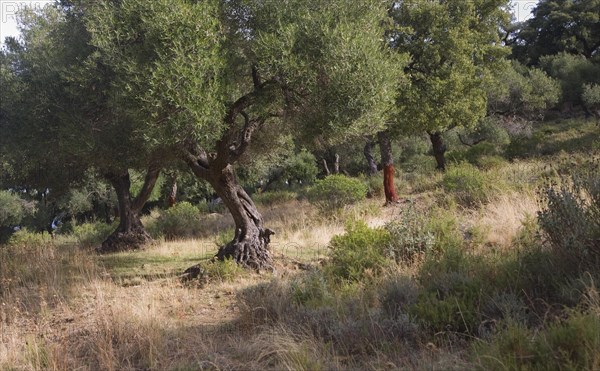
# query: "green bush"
{"type": "Point", "coordinates": [223, 270]}
{"type": "Point", "coordinates": [450, 300]}
{"type": "Point", "coordinates": [273, 197]}
{"type": "Point", "coordinates": [399, 294]}
{"type": "Point", "coordinates": [358, 253]}
{"type": "Point", "coordinates": [26, 238]}
{"type": "Point", "coordinates": [374, 185]}
{"type": "Point", "coordinates": [182, 220]}
{"type": "Point", "coordinates": [409, 237]}
{"type": "Point", "coordinates": [11, 209]}
{"type": "Point", "coordinates": [311, 290]}
{"type": "Point", "coordinates": [571, 219]}
{"type": "Point", "coordinates": [91, 234]}
{"type": "Point", "coordinates": [336, 191]}
{"type": "Point", "coordinates": [469, 185]}
{"type": "Point", "coordinates": [569, 345]}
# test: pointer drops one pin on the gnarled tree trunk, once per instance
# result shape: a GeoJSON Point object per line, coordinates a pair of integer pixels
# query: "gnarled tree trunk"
{"type": "Point", "coordinates": [439, 149]}
{"type": "Point", "coordinates": [387, 161]}
{"type": "Point", "coordinates": [371, 164]}
{"type": "Point", "coordinates": [249, 246]}
{"type": "Point", "coordinates": [130, 233]}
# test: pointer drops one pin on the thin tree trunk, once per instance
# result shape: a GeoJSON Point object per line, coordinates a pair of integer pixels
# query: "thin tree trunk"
{"type": "Point", "coordinates": [130, 233]}
{"type": "Point", "coordinates": [387, 160]}
{"type": "Point", "coordinates": [172, 196]}
{"type": "Point", "coordinates": [368, 151]}
{"type": "Point", "coordinates": [439, 150]}
{"type": "Point", "coordinates": [326, 168]}
{"type": "Point", "coordinates": [336, 163]}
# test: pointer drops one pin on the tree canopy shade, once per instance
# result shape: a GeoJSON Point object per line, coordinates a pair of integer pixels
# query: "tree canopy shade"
{"type": "Point", "coordinates": [452, 45]}
{"type": "Point", "coordinates": [571, 26]}
{"type": "Point", "coordinates": [210, 77]}
{"type": "Point", "coordinates": [64, 115]}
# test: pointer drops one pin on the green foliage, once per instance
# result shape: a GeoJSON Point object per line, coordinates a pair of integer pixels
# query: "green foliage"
{"type": "Point", "coordinates": [409, 237]}
{"type": "Point", "coordinates": [571, 218]}
{"type": "Point", "coordinates": [336, 191]}
{"type": "Point", "coordinates": [11, 209]}
{"type": "Point", "coordinates": [469, 185]}
{"type": "Point", "coordinates": [516, 90]}
{"type": "Point", "coordinates": [26, 238]}
{"type": "Point", "coordinates": [92, 234]}
{"type": "Point", "coordinates": [571, 344]}
{"type": "Point", "coordinates": [181, 220]}
{"type": "Point", "coordinates": [273, 197]}
{"type": "Point", "coordinates": [451, 46]}
{"type": "Point", "coordinates": [591, 96]}
{"type": "Point", "coordinates": [359, 253]}
{"type": "Point", "coordinates": [374, 185]}
{"type": "Point", "coordinates": [452, 293]}
{"type": "Point", "coordinates": [311, 290]}
{"type": "Point", "coordinates": [573, 72]}
{"type": "Point", "coordinates": [223, 270]}
{"type": "Point", "coordinates": [301, 167]}
{"type": "Point", "coordinates": [398, 295]}
{"type": "Point", "coordinates": [559, 26]}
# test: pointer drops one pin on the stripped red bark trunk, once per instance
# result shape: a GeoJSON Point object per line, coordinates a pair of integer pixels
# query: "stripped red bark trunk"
{"type": "Point", "coordinates": [387, 161]}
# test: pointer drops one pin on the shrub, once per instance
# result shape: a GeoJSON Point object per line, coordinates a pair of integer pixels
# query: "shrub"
{"type": "Point", "coordinates": [409, 237]}
{"type": "Point", "coordinates": [399, 294]}
{"type": "Point", "coordinates": [337, 191]}
{"type": "Point", "coordinates": [469, 185]}
{"type": "Point", "coordinates": [11, 209]}
{"type": "Point", "coordinates": [273, 197]}
{"type": "Point", "coordinates": [91, 234]}
{"type": "Point", "coordinates": [182, 220]}
{"type": "Point", "coordinates": [223, 270]}
{"type": "Point", "coordinates": [311, 290]}
{"type": "Point", "coordinates": [572, 344]}
{"type": "Point", "coordinates": [571, 219]}
{"type": "Point", "coordinates": [374, 185]}
{"type": "Point", "coordinates": [24, 237]}
{"type": "Point", "coordinates": [359, 252]}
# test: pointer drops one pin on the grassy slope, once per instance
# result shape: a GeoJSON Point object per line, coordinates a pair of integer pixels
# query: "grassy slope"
{"type": "Point", "coordinates": [65, 308]}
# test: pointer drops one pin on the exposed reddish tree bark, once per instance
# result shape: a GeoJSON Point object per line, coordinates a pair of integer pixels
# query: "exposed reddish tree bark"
{"type": "Point", "coordinates": [387, 161]}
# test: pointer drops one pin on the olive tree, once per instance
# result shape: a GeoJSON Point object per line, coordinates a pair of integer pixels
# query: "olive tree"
{"type": "Point", "coordinates": [210, 77]}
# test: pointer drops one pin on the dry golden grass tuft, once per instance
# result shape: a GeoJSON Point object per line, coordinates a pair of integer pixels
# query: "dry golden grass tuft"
{"type": "Point", "coordinates": [503, 217]}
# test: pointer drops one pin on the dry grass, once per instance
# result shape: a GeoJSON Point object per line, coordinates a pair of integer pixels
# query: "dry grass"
{"type": "Point", "coordinates": [503, 218]}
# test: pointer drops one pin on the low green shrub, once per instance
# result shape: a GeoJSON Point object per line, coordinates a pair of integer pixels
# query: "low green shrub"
{"type": "Point", "coordinates": [336, 191]}
{"type": "Point", "coordinates": [222, 270]}
{"type": "Point", "coordinates": [491, 162]}
{"type": "Point", "coordinates": [181, 220]}
{"type": "Point", "coordinates": [92, 234]}
{"type": "Point", "coordinates": [358, 253]}
{"type": "Point", "coordinates": [469, 185]}
{"type": "Point", "coordinates": [409, 237]}
{"type": "Point", "coordinates": [311, 290]}
{"type": "Point", "coordinates": [572, 344]}
{"type": "Point", "coordinates": [273, 197]}
{"type": "Point", "coordinates": [571, 220]}
{"type": "Point", "coordinates": [27, 238]}
{"type": "Point", "coordinates": [399, 294]}
{"type": "Point", "coordinates": [374, 185]}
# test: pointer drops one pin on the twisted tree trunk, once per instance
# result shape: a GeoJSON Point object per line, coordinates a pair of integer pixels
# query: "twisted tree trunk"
{"type": "Point", "coordinates": [249, 246]}
{"type": "Point", "coordinates": [387, 161]}
{"type": "Point", "coordinates": [130, 233]}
